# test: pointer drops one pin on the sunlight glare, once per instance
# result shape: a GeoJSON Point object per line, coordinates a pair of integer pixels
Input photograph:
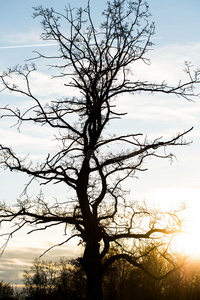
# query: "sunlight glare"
{"type": "Point", "coordinates": [187, 242]}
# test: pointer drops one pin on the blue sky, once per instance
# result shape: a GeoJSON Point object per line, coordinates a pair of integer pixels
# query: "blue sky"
{"type": "Point", "coordinates": [177, 39]}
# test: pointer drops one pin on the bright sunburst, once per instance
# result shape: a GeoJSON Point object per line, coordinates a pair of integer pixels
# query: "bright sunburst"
{"type": "Point", "coordinates": [187, 242]}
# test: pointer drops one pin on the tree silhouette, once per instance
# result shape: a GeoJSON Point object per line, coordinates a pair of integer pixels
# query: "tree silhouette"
{"type": "Point", "coordinates": [6, 291]}
{"type": "Point", "coordinates": [97, 62]}
{"type": "Point", "coordinates": [54, 280]}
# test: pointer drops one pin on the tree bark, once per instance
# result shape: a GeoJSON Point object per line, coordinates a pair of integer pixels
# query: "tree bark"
{"type": "Point", "coordinates": [93, 270]}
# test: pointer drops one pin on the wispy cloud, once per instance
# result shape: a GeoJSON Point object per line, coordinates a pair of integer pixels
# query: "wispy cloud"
{"type": "Point", "coordinates": [15, 260]}
{"type": "Point", "coordinates": [27, 46]}
{"type": "Point", "coordinates": [47, 45]}
{"type": "Point", "coordinates": [157, 38]}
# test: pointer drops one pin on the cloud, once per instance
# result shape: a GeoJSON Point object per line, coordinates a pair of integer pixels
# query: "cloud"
{"type": "Point", "coordinates": [28, 46]}
{"type": "Point", "coordinates": [15, 260]}
{"type": "Point", "coordinates": [15, 38]}
{"type": "Point", "coordinates": [30, 138]}
{"type": "Point", "coordinates": [145, 111]}
{"type": "Point", "coordinates": [23, 248]}
{"type": "Point", "coordinates": [43, 85]}
{"type": "Point", "coordinates": [159, 112]}
{"type": "Point", "coordinates": [167, 63]}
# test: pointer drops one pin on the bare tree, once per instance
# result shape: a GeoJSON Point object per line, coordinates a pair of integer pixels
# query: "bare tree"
{"type": "Point", "coordinates": [6, 291]}
{"type": "Point", "coordinates": [55, 280]}
{"type": "Point", "coordinates": [97, 63]}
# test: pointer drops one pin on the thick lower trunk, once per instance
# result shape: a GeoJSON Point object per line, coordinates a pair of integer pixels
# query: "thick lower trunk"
{"type": "Point", "coordinates": [92, 267]}
{"type": "Point", "coordinates": [91, 235]}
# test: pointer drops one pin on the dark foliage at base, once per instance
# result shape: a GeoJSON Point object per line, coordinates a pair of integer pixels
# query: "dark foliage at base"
{"type": "Point", "coordinates": [65, 280]}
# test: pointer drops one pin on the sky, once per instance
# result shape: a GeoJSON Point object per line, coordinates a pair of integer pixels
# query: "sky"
{"type": "Point", "coordinates": [176, 40]}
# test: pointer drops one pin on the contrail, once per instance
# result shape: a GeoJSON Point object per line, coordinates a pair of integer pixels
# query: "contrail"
{"type": "Point", "coordinates": [47, 45]}
{"type": "Point", "coordinates": [27, 46]}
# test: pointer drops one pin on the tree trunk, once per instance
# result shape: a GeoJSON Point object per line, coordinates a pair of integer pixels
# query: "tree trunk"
{"type": "Point", "coordinates": [92, 267]}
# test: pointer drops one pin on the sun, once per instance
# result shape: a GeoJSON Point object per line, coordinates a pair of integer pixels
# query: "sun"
{"type": "Point", "coordinates": [188, 242]}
